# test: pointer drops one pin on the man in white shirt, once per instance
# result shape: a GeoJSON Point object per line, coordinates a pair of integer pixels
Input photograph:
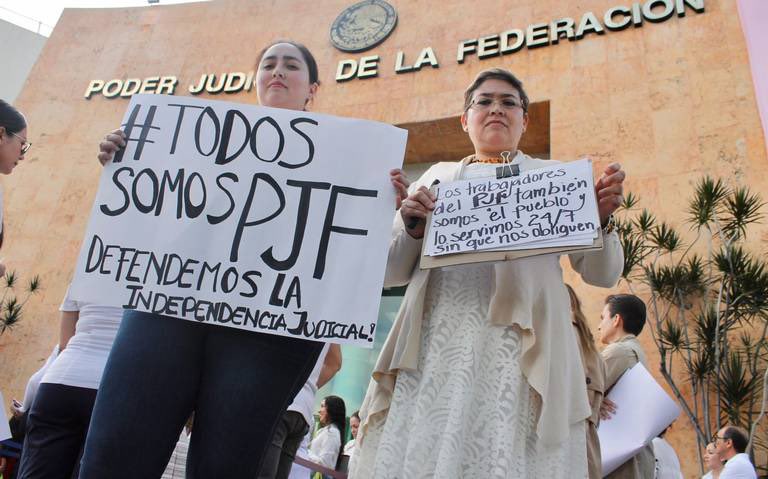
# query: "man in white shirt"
{"type": "Point", "coordinates": [730, 444]}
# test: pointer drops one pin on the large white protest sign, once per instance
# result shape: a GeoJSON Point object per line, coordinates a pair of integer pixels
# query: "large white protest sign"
{"type": "Point", "coordinates": [643, 410]}
{"type": "Point", "coordinates": [546, 207]}
{"type": "Point", "coordinates": [249, 217]}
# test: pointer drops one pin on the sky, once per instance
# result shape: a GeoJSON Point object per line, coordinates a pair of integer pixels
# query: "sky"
{"type": "Point", "coordinates": [41, 15]}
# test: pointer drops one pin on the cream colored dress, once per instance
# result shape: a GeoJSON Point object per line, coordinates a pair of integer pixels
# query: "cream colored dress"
{"type": "Point", "coordinates": [468, 411]}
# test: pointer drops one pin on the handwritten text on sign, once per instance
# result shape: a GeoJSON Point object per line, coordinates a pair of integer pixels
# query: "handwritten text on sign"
{"type": "Point", "coordinates": [539, 207]}
{"type": "Point", "coordinates": [256, 218]}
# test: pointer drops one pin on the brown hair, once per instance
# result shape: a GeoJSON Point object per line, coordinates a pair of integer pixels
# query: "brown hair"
{"type": "Point", "coordinates": [495, 74]}
{"type": "Point", "coordinates": [738, 437]}
{"type": "Point", "coordinates": [580, 319]}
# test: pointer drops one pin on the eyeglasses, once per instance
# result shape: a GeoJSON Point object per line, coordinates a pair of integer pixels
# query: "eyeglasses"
{"type": "Point", "coordinates": [506, 103]}
{"type": "Point", "coordinates": [25, 145]}
{"type": "Point", "coordinates": [715, 438]}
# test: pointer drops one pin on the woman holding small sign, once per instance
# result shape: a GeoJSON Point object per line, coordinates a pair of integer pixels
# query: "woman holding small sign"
{"type": "Point", "coordinates": [481, 374]}
{"type": "Point", "coordinates": [161, 369]}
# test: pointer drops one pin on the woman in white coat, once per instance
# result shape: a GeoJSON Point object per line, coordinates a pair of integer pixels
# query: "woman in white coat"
{"type": "Point", "coordinates": [481, 375]}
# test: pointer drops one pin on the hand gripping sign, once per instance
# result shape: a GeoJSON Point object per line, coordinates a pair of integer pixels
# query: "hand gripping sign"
{"type": "Point", "coordinates": [248, 217]}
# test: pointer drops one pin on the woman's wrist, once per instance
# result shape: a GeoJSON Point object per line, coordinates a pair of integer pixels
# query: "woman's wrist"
{"type": "Point", "coordinates": [609, 225]}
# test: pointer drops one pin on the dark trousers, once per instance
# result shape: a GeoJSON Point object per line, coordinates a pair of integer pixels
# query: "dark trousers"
{"type": "Point", "coordinates": [56, 428]}
{"type": "Point", "coordinates": [288, 436]}
{"type": "Point", "coordinates": [161, 369]}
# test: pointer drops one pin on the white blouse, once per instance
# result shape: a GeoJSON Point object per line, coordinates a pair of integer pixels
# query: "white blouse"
{"type": "Point", "coordinates": [324, 448]}
{"type": "Point", "coordinates": [82, 362]}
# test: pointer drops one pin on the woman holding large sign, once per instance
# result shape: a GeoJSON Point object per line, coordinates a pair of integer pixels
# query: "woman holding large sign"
{"type": "Point", "coordinates": [481, 374]}
{"type": "Point", "coordinates": [161, 369]}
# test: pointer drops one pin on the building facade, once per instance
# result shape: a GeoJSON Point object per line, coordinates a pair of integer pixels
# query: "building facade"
{"type": "Point", "coordinates": [661, 86]}
{"type": "Point", "coordinates": [19, 60]}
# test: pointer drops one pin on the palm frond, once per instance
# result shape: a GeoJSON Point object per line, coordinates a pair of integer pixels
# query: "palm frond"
{"type": "Point", "coordinates": [703, 207]}
{"type": "Point", "coordinates": [737, 388]}
{"type": "Point", "coordinates": [742, 208]}
{"type": "Point", "coordinates": [664, 237]}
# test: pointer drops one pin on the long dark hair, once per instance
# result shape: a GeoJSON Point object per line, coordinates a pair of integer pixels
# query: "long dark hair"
{"type": "Point", "coordinates": [13, 121]}
{"type": "Point", "coordinates": [337, 415]}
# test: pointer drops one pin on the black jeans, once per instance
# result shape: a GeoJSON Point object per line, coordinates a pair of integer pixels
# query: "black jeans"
{"type": "Point", "coordinates": [56, 428]}
{"type": "Point", "coordinates": [161, 369]}
{"type": "Point", "coordinates": [288, 436]}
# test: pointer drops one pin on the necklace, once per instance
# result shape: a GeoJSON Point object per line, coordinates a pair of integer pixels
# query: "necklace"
{"type": "Point", "coordinates": [494, 160]}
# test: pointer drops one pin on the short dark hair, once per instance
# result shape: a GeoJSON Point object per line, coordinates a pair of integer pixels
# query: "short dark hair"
{"type": "Point", "coordinates": [495, 74]}
{"type": "Point", "coordinates": [738, 436]}
{"type": "Point", "coordinates": [309, 59]}
{"type": "Point", "coordinates": [630, 308]}
{"type": "Point", "coordinates": [11, 118]}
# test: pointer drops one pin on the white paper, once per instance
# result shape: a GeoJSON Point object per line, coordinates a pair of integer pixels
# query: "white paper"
{"type": "Point", "coordinates": [308, 195]}
{"type": "Point", "coordinates": [643, 411]}
{"type": "Point", "coordinates": [5, 430]}
{"type": "Point", "coordinates": [553, 206]}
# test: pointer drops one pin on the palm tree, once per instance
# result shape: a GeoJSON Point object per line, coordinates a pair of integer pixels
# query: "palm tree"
{"type": "Point", "coordinates": [708, 305]}
{"type": "Point", "coordinates": [11, 307]}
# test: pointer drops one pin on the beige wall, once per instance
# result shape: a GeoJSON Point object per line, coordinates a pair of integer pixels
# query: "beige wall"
{"type": "Point", "coordinates": [670, 101]}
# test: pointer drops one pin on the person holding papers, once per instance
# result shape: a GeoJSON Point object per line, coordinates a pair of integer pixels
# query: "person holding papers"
{"type": "Point", "coordinates": [237, 382]}
{"type": "Point", "coordinates": [480, 375]}
{"type": "Point", "coordinates": [731, 444]}
{"type": "Point", "coordinates": [622, 320]}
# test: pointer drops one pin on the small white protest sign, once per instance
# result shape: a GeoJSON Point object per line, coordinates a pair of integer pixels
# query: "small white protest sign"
{"type": "Point", "coordinates": [255, 218]}
{"type": "Point", "coordinates": [553, 206]}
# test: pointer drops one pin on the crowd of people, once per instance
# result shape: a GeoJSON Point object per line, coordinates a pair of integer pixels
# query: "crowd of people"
{"type": "Point", "coordinates": [489, 371]}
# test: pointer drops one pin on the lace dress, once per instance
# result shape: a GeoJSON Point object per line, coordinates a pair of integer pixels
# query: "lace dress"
{"type": "Point", "coordinates": [468, 412]}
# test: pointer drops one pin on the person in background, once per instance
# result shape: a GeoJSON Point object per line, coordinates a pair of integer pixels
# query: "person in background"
{"type": "Point", "coordinates": [177, 464]}
{"type": "Point", "coordinates": [713, 462]}
{"type": "Point", "coordinates": [730, 445]}
{"type": "Point", "coordinates": [61, 414]}
{"type": "Point", "coordinates": [20, 410]}
{"type": "Point", "coordinates": [297, 419]}
{"type": "Point", "coordinates": [622, 320]}
{"type": "Point", "coordinates": [326, 448]}
{"type": "Point", "coordinates": [667, 463]}
{"type": "Point", "coordinates": [13, 146]}
{"type": "Point", "coordinates": [594, 368]}
{"type": "Point", "coordinates": [354, 424]}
